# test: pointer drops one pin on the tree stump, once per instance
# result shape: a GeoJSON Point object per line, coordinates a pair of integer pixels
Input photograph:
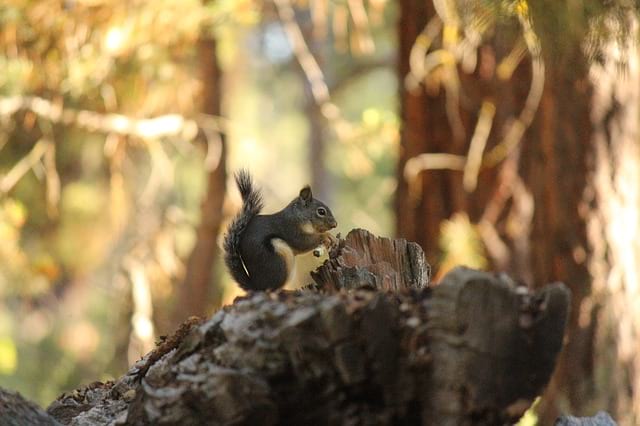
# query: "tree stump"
{"type": "Point", "coordinates": [375, 346]}
{"type": "Point", "coordinates": [364, 260]}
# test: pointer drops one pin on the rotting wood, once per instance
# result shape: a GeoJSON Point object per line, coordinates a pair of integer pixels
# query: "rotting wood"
{"type": "Point", "coordinates": [365, 260]}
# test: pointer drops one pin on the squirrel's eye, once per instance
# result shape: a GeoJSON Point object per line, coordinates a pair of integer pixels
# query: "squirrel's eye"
{"type": "Point", "coordinates": [321, 211]}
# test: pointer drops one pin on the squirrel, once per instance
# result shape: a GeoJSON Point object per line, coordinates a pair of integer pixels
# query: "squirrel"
{"type": "Point", "coordinates": [260, 250]}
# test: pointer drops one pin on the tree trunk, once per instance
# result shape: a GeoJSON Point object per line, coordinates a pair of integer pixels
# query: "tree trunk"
{"type": "Point", "coordinates": [194, 293]}
{"type": "Point", "coordinates": [554, 167]}
{"type": "Point", "coordinates": [418, 218]}
{"type": "Point", "coordinates": [571, 209]}
{"type": "Point", "coordinates": [614, 230]}
{"type": "Point", "coordinates": [426, 128]}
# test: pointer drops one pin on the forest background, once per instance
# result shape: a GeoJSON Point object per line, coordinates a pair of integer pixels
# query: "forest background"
{"type": "Point", "coordinates": [498, 134]}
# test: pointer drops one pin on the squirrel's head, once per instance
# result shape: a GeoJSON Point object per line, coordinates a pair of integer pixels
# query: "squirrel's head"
{"type": "Point", "coordinates": [314, 214]}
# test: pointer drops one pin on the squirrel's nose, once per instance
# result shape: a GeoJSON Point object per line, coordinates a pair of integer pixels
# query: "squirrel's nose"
{"type": "Point", "coordinates": [333, 223]}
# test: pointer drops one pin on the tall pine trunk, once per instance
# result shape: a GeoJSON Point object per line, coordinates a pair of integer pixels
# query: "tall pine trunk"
{"type": "Point", "coordinates": [614, 228]}
{"type": "Point", "coordinates": [571, 211]}
{"type": "Point", "coordinates": [194, 292]}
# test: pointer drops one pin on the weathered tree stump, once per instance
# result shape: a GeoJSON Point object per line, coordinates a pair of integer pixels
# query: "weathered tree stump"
{"type": "Point", "coordinates": [364, 260]}
{"type": "Point", "coordinates": [377, 347]}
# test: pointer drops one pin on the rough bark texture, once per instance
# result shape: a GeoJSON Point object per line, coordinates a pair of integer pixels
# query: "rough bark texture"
{"type": "Point", "coordinates": [476, 349]}
{"type": "Point", "coordinates": [362, 259]}
{"type": "Point", "coordinates": [600, 419]}
{"type": "Point", "coordinates": [17, 411]}
{"type": "Point", "coordinates": [472, 351]}
{"type": "Point", "coordinates": [194, 291]}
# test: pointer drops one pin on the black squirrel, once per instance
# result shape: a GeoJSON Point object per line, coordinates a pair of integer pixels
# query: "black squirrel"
{"type": "Point", "coordinates": [259, 250]}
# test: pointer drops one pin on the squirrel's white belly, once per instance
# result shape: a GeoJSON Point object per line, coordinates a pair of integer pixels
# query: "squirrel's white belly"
{"type": "Point", "coordinates": [286, 253]}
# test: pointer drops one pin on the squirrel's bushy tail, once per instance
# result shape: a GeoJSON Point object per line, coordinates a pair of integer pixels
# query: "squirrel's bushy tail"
{"type": "Point", "coordinates": [251, 206]}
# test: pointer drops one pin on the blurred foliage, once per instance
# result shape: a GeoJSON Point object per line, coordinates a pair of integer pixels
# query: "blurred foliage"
{"type": "Point", "coordinates": [560, 25]}
{"type": "Point", "coordinates": [82, 209]}
{"type": "Point", "coordinates": [460, 244]}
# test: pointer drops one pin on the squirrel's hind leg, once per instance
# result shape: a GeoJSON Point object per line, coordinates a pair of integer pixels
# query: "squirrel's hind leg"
{"type": "Point", "coordinates": [269, 264]}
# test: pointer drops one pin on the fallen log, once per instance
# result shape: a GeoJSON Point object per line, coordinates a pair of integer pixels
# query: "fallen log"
{"type": "Point", "coordinates": [371, 344]}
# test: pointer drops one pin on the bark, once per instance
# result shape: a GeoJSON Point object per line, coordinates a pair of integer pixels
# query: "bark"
{"type": "Point", "coordinates": [426, 128]}
{"type": "Point", "coordinates": [564, 204]}
{"type": "Point", "coordinates": [419, 219]}
{"type": "Point", "coordinates": [614, 230]}
{"type": "Point", "coordinates": [194, 293]}
{"type": "Point", "coordinates": [362, 259]}
{"type": "Point", "coordinates": [474, 350]}
{"type": "Point", "coordinates": [17, 411]}
{"type": "Point", "coordinates": [554, 168]}
{"type": "Point", "coordinates": [600, 419]}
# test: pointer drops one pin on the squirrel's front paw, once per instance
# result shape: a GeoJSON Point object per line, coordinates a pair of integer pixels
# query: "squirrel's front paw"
{"type": "Point", "coordinates": [329, 241]}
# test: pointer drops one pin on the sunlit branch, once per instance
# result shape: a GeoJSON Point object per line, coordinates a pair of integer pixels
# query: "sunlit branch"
{"type": "Point", "coordinates": [311, 69]}
{"type": "Point", "coordinates": [169, 125]}
{"type": "Point", "coordinates": [214, 149]}
{"type": "Point", "coordinates": [308, 63]}
{"type": "Point", "coordinates": [446, 57]}
{"type": "Point", "coordinates": [446, 11]}
{"type": "Point", "coordinates": [496, 248]}
{"type": "Point", "coordinates": [467, 50]}
{"type": "Point", "coordinates": [52, 178]}
{"type": "Point", "coordinates": [142, 315]}
{"type": "Point", "coordinates": [477, 145]}
{"type": "Point", "coordinates": [429, 161]}
{"type": "Point", "coordinates": [25, 164]}
{"type": "Point", "coordinates": [507, 66]}
{"type": "Point", "coordinates": [361, 22]}
{"type": "Point", "coordinates": [339, 26]}
{"type": "Point", "coordinates": [432, 161]}
{"type": "Point", "coordinates": [417, 61]}
{"type": "Point", "coordinates": [440, 57]}
{"type": "Point", "coordinates": [319, 14]}
{"type": "Point", "coordinates": [161, 172]}
{"type": "Point", "coordinates": [114, 125]}
{"type": "Point", "coordinates": [520, 125]}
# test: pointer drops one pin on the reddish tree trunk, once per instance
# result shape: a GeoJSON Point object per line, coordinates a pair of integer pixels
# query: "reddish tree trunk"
{"type": "Point", "coordinates": [568, 193]}
{"type": "Point", "coordinates": [195, 292]}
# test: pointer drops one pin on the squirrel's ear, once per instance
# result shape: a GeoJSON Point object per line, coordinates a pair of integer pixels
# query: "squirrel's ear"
{"type": "Point", "coordinates": [305, 194]}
